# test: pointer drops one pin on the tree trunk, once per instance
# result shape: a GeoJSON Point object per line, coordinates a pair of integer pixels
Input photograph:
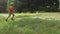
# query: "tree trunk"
{"type": "Point", "coordinates": [59, 4]}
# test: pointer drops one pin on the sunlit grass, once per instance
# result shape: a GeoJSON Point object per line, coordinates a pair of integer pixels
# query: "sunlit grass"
{"type": "Point", "coordinates": [26, 23]}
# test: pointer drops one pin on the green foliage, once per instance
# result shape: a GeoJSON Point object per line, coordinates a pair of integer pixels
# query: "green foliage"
{"type": "Point", "coordinates": [36, 5]}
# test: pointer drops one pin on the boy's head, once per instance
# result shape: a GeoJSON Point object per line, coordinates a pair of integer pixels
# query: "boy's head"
{"type": "Point", "coordinates": [11, 4]}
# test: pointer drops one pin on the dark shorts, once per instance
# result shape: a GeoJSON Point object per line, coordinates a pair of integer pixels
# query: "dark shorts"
{"type": "Point", "coordinates": [11, 12]}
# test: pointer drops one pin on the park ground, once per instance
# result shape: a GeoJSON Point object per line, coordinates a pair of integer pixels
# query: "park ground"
{"type": "Point", "coordinates": [31, 23]}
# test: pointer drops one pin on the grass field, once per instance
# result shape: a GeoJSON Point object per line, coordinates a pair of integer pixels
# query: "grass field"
{"type": "Point", "coordinates": [42, 23]}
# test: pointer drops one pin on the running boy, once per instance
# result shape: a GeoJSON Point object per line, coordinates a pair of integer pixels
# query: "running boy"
{"type": "Point", "coordinates": [10, 11]}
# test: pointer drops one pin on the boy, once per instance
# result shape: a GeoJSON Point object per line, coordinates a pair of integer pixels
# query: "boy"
{"type": "Point", "coordinates": [10, 11]}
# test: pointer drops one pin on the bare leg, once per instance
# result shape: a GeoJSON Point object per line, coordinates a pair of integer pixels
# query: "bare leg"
{"type": "Point", "coordinates": [12, 16]}
{"type": "Point", "coordinates": [8, 17]}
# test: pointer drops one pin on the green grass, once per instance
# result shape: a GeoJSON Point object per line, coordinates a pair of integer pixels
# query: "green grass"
{"type": "Point", "coordinates": [48, 23]}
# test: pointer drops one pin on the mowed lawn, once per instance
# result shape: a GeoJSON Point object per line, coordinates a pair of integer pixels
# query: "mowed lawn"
{"type": "Point", "coordinates": [27, 23]}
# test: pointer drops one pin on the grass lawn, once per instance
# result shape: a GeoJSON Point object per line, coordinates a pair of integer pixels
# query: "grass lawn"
{"type": "Point", "coordinates": [26, 23]}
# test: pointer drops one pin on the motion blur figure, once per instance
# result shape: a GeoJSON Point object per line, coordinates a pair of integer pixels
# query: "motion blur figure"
{"type": "Point", "coordinates": [10, 11]}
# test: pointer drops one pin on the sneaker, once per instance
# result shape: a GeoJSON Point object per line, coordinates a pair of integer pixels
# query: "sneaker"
{"type": "Point", "coordinates": [12, 19]}
{"type": "Point", "coordinates": [6, 20]}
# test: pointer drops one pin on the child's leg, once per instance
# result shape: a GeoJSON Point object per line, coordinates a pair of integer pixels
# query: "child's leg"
{"type": "Point", "coordinates": [12, 16]}
{"type": "Point", "coordinates": [8, 17]}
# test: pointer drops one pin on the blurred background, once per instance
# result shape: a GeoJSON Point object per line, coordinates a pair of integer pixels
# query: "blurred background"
{"type": "Point", "coordinates": [31, 6]}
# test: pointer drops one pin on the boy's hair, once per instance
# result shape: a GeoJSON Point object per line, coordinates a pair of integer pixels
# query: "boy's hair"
{"type": "Point", "coordinates": [11, 4]}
